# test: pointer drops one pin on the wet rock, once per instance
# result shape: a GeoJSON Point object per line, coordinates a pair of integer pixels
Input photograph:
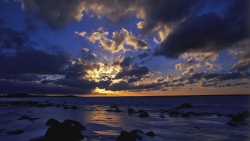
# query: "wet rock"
{"type": "Point", "coordinates": [141, 111]}
{"type": "Point", "coordinates": [175, 113]}
{"type": "Point", "coordinates": [126, 136]}
{"type": "Point", "coordinates": [197, 127]}
{"type": "Point", "coordinates": [52, 122]}
{"type": "Point", "coordinates": [131, 111]}
{"type": "Point", "coordinates": [109, 110]}
{"type": "Point", "coordinates": [232, 124]}
{"type": "Point", "coordinates": [15, 132]}
{"type": "Point", "coordinates": [117, 110]}
{"type": "Point", "coordinates": [185, 115]}
{"type": "Point", "coordinates": [238, 118]}
{"type": "Point", "coordinates": [186, 105]}
{"type": "Point", "coordinates": [76, 124]}
{"type": "Point", "coordinates": [74, 107]}
{"type": "Point", "coordinates": [65, 107]}
{"type": "Point", "coordinates": [246, 114]}
{"type": "Point", "coordinates": [219, 115]}
{"type": "Point", "coordinates": [161, 116]}
{"type": "Point", "coordinates": [136, 131]}
{"type": "Point", "coordinates": [28, 118]}
{"type": "Point", "coordinates": [113, 106]}
{"type": "Point", "coordinates": [145, 114]}
{"type": "Point", "coordinates": [150, 133]}
{"type": "Point", "coordinates": [63, 132]}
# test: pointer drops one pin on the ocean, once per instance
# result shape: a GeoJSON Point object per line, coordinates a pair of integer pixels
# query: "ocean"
{"type": "Point", "coordinates": [206, 120]}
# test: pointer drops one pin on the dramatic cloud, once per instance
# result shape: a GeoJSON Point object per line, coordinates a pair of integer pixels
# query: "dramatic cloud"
{"type": "Point", "coordinates": [119, 39]}
{"type": "Point", "coordinates": [133, 70]}
{"type": "Point", "coordinates": [242, 52]}
{"type": "Point", "coordinates": [76, 83]}
{"type": "Point", "coordinates": [207, 32]}
{"type": "Point", "coordinates": [56, 13]}
{"type": "Point", "coordinates": [12, 39]}
{"type": "Point", "coordinates": [33, 61]}
{"type": "Point", "coordinates": [38, 88]}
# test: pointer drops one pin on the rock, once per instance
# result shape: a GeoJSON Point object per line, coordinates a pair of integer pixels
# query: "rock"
{"type": "Point", "coordinates": [185, 115]}
{"type": "Point", "coordinates": [136, 131]}
{"type": "Point", "coordinates": [126, 136]}
{"type": "Point", "coordinates": [26, 117]}
{"type": "Point", "coordinates": [117, 110]}
{"type": "Point", "coordinates": [161, 116]}
{"type": "Point", "coordinates": [186, 105]}
{"type": "Point", "coordinates": [197, 127]}
{"type": "Point", "coordinates": [238, 118]}
{"type": "Point", "coordinates": [176, 113]}
{"type": "Point", "coordinates": [15, 132]}
{"type": "Point", "coordinates": [66, 107]}
{"type": "Point", "coordinates": [141, 111]}
{"type": "Point", "coordinates": [52, 122]}
{"type": "Point", "coordinates": [76, 124]}
{"type": "Point", "coordinates": [74, 107]}
{"type": "Point", "coordinates": [219, 115]}
{"type": "Point", "coordinates": [150, 133]}
{"type": "Point", "coordinates": [145, 114]}
{"type": "Point", "coordinates": [113, 106]}
{"type": "Point", "coordinates": [246, 114]}
{"type": "Point", "coordinates": [131, 111]}
{"type": "Point", "coordinates": [232, 124]}
{"type": "Point", "coordinates": [63, 132]}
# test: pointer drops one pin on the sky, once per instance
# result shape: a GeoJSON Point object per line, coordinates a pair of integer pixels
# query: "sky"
{"type": "Point", "coordinates": [125, 48]}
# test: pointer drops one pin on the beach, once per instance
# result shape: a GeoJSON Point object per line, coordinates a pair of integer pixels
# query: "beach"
{"type": "Point", "coordinates": [105, 117]}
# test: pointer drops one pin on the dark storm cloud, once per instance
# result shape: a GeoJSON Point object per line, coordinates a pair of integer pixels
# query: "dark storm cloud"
{"type": "Point", "coordinates": [20, 77]}
{"type": "Point", "coordinates": [37, 88]}
{"type": "Point", "coordinates": [133, 70]}
{"type": "Point", "coordinates": [12, 39]}
{"type": "Point", "coordinates": [56, 13]}
{"type": "Point", "coordinates": [76, 83]}
{"type": "Point", "coordinates": [207, 32]}
{"type": "Point", "coordinates": [33, 61]}
{"type": "Point", "coordinates": [165, 12]}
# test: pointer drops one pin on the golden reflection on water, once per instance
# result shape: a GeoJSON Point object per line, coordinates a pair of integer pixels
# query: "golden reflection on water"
{"type": "Point", "coordinates": [102, 121]}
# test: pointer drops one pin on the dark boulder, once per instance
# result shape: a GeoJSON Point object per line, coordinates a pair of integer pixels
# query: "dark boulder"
{"type": "Point", "coordinates": [52, 122]}
{"type": "Point", "coordinates": [145, 114]}
{"type": "Point", "coordinates": [150, 133]}
{"type": "Point", "coordinates": [238, 118]}
{"type": "Point", "coordinates": [74, 107]}
{"type": "Point", "coordinates": [117, 110]}
{"type": "Point", "coordinates": [15, 132]}
{"type": "Point", "coordinates": [185, 115]}
{"type": "Point", "coordinates": [63, 132]}
{"type": "Point", "coordinates": [136, 131]}
{"type": "Point", "coordinates": [162, 116]}
{"type": "Point", "coordinates": [66, 107]}
{"type": "Point", "coordinates": [131, 111]}
{"type": "Point", "coordinates": [126, 136]}
{"type": "Point", "coordinates": [246, 114]}
{"type": "Point", "coordinates": [113, 106]}
{"type": "Point", "coordinates": [186, 105]}
{"type": "Point", "coordinates": [141, 111]}
{"type": "Point", "coordinates": [232, 124]}
{"type": "Point", "coordinates": [175, 113]}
